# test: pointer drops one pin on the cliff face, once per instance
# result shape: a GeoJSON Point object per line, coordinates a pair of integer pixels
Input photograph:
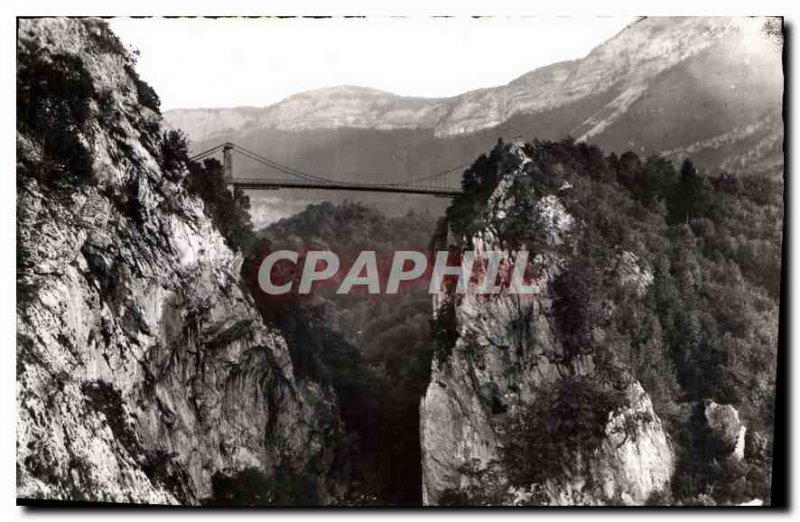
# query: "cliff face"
{"type": "Point", "coordinates": [510, 360]}
{"type": "Point", "coordinates": [142, 366]}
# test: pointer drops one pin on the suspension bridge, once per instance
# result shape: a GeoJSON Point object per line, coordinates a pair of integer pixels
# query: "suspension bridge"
{"type": "Point", "coordinates": [446, 183]}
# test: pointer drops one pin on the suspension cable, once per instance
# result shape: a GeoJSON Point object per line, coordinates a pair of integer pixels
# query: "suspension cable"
{"type": "Point", "coordinates": [311, 177]}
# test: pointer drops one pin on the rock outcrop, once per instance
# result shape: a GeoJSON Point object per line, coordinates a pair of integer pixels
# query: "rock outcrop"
{"type": "Point", "coordinates": [509, 360]}
{"type": "Point", "coordinates": [723, 420]}
{"type": "Point", "coordinates": [142, 366]}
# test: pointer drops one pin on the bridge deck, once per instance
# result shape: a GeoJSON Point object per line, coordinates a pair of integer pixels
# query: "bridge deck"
{"type": "Point", "coordinates": [256, 184]}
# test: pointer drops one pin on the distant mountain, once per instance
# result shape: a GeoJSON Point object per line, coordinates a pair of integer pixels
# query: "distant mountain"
{"type": "Point", "coordinates": [711, 88]}
{"type": "Point", "coordinates": [628, 64]}
{"type": "Point", "coordinates": [334, 107]}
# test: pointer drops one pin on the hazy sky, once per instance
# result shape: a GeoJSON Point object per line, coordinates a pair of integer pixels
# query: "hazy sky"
{"type": "Point", "coordinates": [232, 62]}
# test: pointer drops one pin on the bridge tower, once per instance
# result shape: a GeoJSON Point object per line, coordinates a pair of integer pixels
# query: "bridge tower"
{"type": "Point", "coordinates": [227, 165]}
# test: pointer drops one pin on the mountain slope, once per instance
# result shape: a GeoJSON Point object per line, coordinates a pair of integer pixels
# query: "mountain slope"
{"type": "Point", "coordinates": [641, 89]}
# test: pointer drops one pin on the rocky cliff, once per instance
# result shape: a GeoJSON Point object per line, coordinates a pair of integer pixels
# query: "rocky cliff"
{"type": "Point", "coordinates": [509, 377]}
{"type": "Point", "coordinates": [142, 366]}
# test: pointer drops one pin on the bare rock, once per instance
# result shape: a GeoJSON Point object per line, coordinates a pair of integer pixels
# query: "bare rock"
{"type": "Point", "coordinates": [142, 366]}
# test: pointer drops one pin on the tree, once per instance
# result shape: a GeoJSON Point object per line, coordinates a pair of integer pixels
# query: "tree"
{"type": "Point", "coordinates": [691, 198]}
{"type": "Point", "coordinates": [572, 306]}
{"type": "Point", "coordinates": [173, 151]}
{"type": "Point", "coordinates": [229, 212]}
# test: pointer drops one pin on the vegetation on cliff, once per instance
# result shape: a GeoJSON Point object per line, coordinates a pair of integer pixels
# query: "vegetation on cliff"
{"type": "Point", "coordinates": [706, 327]}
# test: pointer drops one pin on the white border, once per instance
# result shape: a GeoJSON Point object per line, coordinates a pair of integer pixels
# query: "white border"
{"type": "Point", "coordinates": [304, 7]}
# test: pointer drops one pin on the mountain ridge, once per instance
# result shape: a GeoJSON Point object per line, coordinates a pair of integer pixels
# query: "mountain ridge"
{"type": "Point", "coordinates": [627, 61]}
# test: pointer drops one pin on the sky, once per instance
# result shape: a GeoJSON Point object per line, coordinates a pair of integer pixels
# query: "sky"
{"type": "Point", "coordinates": [229, 62]}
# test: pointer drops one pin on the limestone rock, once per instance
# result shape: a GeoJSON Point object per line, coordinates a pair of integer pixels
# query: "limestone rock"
{"type": "Point", "coordinates": [508, 358]}
{"type": "Point", "coordinates": [142, 366]}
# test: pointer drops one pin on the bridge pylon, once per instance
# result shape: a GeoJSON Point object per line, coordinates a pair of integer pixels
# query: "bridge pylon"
{"type": "Point", "coordinates": [227, 165]}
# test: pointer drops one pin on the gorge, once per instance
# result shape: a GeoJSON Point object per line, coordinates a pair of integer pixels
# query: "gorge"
{"type": "Point", "coordinates": [645, 180]}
